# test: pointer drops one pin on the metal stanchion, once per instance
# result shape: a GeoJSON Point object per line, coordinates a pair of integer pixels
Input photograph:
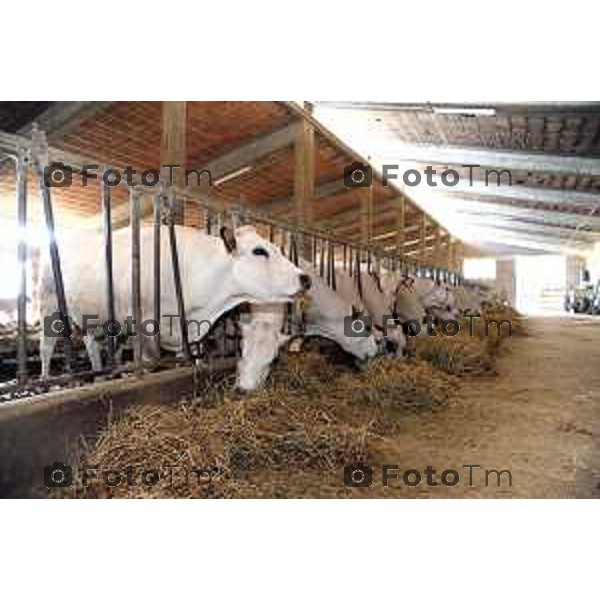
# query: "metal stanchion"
{"type": "Point", "coordinates": [108, 267]}
{"type": "Point", "coordinates": [21, 166]}
{"type": "Point", "coordinates": [136, 292]}
{"type": "Point", "coordinates": [40, 161]}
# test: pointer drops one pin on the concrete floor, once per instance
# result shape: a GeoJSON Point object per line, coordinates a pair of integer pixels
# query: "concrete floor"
{"type": "Point", "coordinates": [539, 418]}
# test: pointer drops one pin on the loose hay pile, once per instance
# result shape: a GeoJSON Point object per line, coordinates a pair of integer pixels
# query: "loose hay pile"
{"type": "Point", "coordinates": [291, 439]}
{"type": "Point", "coordinates": [507, 313]}
{"type": "Point", "coordinates": [474, 349]}
{"type": "Point", "coordinates": [461, 355]}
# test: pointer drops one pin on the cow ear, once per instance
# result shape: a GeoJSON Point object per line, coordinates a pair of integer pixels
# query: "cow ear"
{"type": "Point", "coordinates": [228, 238]}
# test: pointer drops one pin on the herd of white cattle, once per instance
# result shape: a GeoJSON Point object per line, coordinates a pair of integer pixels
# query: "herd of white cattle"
{"type": "Point", "coordinates": [220, 273]}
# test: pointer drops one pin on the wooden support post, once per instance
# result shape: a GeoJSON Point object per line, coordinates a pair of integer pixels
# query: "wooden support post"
{"type": "Point", "coordinates": [157, 264]}
{"type": "Point", "coordinates": [422, 236]}
{"type": "Point", "coordinates": [400, 226]}
{"type": "Point", "coordinates": [304, 181]}
{"type": "Point", "coordinates": [173, 149]}
{"type": "Point", "coordinates": [437, 257]}
{"type": "Point", "coordinates": [459, 257]}
{"type": "Point", "coordinates": [366, 215]}
{"type": "Point", "coordinates": [450, 253]}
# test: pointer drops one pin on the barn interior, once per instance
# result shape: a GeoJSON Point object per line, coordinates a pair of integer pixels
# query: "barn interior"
{"type": "Point", "coordinates": [516, 215]}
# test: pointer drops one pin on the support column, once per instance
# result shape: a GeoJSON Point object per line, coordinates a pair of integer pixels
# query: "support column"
{"type": "Point", "coordinates": [304, 181]}
{"type": "Point", "coordinates": [450, 253]}
{"type": "Point", "coordinates": [422, 236]}
{"type": "Point", "coordinates": [366, 215]}
{"type": "Point", "coordinates": [437, 258]}
{"type": "Point", "coordinates": [173, 149]}
{"type": "Point", "coordinates": [459, 256]}
{"type": "Point", "coordinates": [400, 225]}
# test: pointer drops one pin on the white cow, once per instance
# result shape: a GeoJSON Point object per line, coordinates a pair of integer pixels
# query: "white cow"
{"type": "Point", "coordinates": [324, 313]}
{"type": "Point", "coordinates": [470, 298]}
{"type": "Point", "coordinates": [375, 303]}
{"type": "Point", "coordinates": [436, 298]}
{"type": "Point", "coordinates": [217, 275]}
{"type": "Point", "coordinates": [407, 304]}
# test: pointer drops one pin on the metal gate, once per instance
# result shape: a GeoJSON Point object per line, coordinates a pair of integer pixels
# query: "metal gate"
{"type": "Point", "coordinates": [30, 157]}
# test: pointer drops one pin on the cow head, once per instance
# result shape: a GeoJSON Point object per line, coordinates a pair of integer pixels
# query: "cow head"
{"type": "Point", "coordinates": [261, 341]}
{"type": "Point", "coordinates": [408, 303]}
{"type": "Point", "coordinates": [260, 271]}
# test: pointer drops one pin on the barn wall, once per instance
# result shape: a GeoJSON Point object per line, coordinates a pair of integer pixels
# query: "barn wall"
{"type": "Point", "coordinates": [505, 279]}
{"type": "Point", "coordinates": [575, 264]}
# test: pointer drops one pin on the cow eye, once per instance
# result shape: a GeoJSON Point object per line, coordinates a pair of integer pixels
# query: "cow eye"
{"type": "Point", "coordinates": [259, 251]}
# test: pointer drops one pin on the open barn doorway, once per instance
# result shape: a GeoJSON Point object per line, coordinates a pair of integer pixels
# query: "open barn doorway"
{"type": "Point", "coordinates": [541, 284]}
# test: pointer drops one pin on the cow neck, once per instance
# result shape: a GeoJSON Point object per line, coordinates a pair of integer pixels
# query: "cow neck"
{"type": "Point", "coordinates": [217, 304]}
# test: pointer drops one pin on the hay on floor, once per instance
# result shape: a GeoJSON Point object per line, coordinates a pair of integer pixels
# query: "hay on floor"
{"type": "Point", "coordinates": [286, 440]}
{"type": "Point", "coordinates": [473, 351]}
{"type": "Point", "coordinates": [461, 355]}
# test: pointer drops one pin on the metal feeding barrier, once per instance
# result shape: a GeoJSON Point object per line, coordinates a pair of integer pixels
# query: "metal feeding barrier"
{"type": "Point", "coordinates": [326, 252]}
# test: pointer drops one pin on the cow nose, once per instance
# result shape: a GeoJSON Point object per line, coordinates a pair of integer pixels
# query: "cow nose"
{"type": "Point", "coordinates": [305, 282]}
{"type": "Point", "coordinates": [390, 346]}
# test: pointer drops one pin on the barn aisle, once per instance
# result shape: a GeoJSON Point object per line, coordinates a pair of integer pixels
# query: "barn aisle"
{"type": "Point", "coordinates": [540, 418]}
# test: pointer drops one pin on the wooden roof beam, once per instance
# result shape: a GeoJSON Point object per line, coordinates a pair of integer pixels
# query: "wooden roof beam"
{"type": "Point", "coordinates": [63, 116]}
{"type": "Point", "coordinates": [251, 152]}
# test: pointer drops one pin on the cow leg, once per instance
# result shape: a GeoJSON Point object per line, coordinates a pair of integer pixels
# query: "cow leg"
{"type": "Point", "coordinates": [93, 350]}
{"type": "Point", "coordinates": [46, 351]}
{"type": "Point", "coordinates": [150, 352]}
{"type": "Point", "coordinates": [119, 353]}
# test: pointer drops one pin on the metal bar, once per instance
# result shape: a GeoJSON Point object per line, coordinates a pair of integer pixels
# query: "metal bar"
{"type": "Point", "coordinates": [282, 242]}
{"type": "Point", "coordinates": [294, 248]}
{"type": "Point", "coordinates": [136, 298]}
{"type": "Point", "coordinates": [76, 161]}
{"type": "Point", "coordinates": [185, 342]}
{"type": "Point", "coordinates": [322, 259]}
{"type": "Point", "coordinates": [158, 201]}
{"type": "Point", "coordinates": [332, 260]}
{"type": "Point", "coordinates": [358, 274]}
{"type": "Point", "coordinates": [55, 262]}
{"type": "Point", "coordinates": [327, 265]}
{"type": "Point", "coordinates": [350, 261]}
{"type": "Point", "coordinates": [21, 166]}
{"type": "Point", "coordinates": [108, 264]}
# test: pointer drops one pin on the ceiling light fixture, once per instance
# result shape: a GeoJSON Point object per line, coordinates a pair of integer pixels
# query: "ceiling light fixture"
{"type": "Point", "coordinates": [232, 175]}
{"type": "Point", "coordinates": [465, 110]}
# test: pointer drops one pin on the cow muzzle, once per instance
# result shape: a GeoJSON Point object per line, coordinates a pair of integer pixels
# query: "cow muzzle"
{"type": "Point", "coordinates": [391, 346]}
{"type": "Point", "coordinates": [305, 282]}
